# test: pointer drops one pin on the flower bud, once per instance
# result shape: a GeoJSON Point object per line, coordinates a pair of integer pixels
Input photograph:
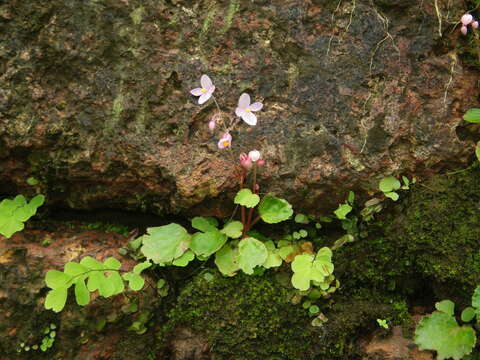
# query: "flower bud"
{"type": "Point", "coordinates": [466, 19]}
{"type": "Point", "coordinates": [254, 155]}
{"type": "Point", "coordinates": [475, 24]}
{"type": "Point", "coordinates": [261, 162]}
{"type": "Point", "coordinates": [464, 30]}
{"type": "Point", "coordinates": [211, 125]}
{"type": "Point", "coordinates": [245, 161]}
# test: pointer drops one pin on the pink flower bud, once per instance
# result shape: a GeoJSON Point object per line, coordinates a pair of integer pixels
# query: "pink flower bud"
{"type": "Point", "coordinates": [211, 125]}
{"type": "Point", "coordinates": [225, 141]}
{"type": "Point", "coordinates": [261, 162]}
{"type": "Point", "coordinates": [245, 161]}
{"type": "Point", "coordinates": [254, 155]}
{"type": "Point", "coordinates": [475, 24]}
{"type": "Point", "coordinates": [464, 30]}
{"type": "Point", "coordinates": [257, 187]}
{"type": "Point", "coordinates": [466, 19]}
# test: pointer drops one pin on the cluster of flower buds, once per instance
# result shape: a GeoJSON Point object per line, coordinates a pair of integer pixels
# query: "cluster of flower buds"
{"type": "Point", "coordinates": [253, 156]}
{"type": "Point", "coordinates": [244, 109]}
{"type": "Point", "coordinates": [466, 20]}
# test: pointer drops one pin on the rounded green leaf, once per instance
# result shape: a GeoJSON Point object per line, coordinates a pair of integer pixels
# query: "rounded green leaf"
{"type": "Point", "coordinates": [302, 219]}
{"type": "Point", "coordinates": [74, 269]}
{"type": "Point", "coordinates": [468, 314]}
{"type": "Point", "coordinates": [32, 181]}
{"type": "Point", "coordinates": [56, 299]}
{"type": "Point", "coordinates": [477, 151]}
{"type": "Point", "coordinates": [472, 115]}
{"type": "Point", "coordinates": [440, 332]}
{"type": "Point", "coordinates": [226, 259]}
{"type": "Point", "coordinates": [163, 243]}
{"type": "Point", "coordinates": [184, 259]}
{"type": "Point", "coordinates": [91, 263]}
{"type": "Point", "coordinates": [274, 210]}
{"type": "Point", "coordinates": [204, 223]}
{"type": "Point", "coordinates": [112, 263]}
{"type": "Point", "coordinates": [142, 266]}
{"type": "Point", "coordinates": [246, 198]}
{"type": "Point", "coordinates": [446, 306]}
{"type": "Point", "coordinates": [56, 279]}
{"type": "Point", "coordinates": [251, 253]}
{"type": "Point", "coordinates": [392, 195]}
{"type": "Point", "coordinates": [205, 244]}
{"type": "Point", "coordinates": [273, 259]}
{"type": "Point", "coordinates": [117, 282]}
{"type": "Point", "coordinates": [233, 229]}
{"type": "Point", "coordinates": [135, 281]}
{"type": "Point", "coordinates": [389, 183]}
{"type": "Point", "coordinates": [82, 295]}
{"type": "Point", "coordinates": [342, 211]}
{"type": "Point", "coordinates": [476, 299]}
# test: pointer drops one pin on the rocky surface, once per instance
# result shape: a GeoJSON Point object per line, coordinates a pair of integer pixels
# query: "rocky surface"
{"type": "Point", "coordinates": [95, 103]}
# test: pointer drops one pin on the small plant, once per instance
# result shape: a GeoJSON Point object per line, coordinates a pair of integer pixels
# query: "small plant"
{"type": "Point", "coordinates": [383, 323]}
{"type": "Point", "coordinates": [440, 331]}
{"type": "Point", "coordinates": [88, 276]}
{"type": "Point", "coordinates": [14, 213]}
{"type": "Point", "coordinates": [473, 116]}
{"type": "Point", "coordinates": [49, 334]}
{"type": "Point", "coordinates": [390, 185]}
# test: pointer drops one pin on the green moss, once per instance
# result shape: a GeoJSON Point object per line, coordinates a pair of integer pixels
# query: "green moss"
{"type": "Point", "coordinates": [244, 317]}
{"type": "Point", "coordinates": [429, 243]}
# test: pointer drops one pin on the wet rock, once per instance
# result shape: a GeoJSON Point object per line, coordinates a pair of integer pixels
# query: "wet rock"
{"type": "Point", "coordinates": [95, 102]}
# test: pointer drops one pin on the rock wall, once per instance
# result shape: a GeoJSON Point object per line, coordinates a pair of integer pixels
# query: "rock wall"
{"type": "Point", "coordinates": [95, 103]}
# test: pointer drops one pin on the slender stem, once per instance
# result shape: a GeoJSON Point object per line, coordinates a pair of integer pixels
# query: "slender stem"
{"type": "Point", "coordinates": [216, 103]}
{"type": "Point", "coordinates": [242, 208]}
{"type": "Point", "coordinates": [255, 221]}
{"type": "Point", "coordinates": [254, 190]}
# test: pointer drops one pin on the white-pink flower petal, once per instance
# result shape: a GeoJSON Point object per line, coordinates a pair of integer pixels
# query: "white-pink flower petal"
{"type": "Point", "coordinates": [256, 106]}
{"type": "Point", "coordinates": [254, 155]}
{"type": "Point", "coordinates": [249, 118]}
{"type": "Point", "coordinates": [244, 101]}
{"type": "Point", "coordinates": [464, 30]}
{"type": "Point", "coordinates": [466, 19]}
{"type": "Point", "coordinates": [206, 82]}
{"type": "Point", "coordinates": [196, 92]}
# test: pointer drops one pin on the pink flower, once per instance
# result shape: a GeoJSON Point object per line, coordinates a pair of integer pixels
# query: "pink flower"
{"type": "Point", "coordinates": [254, 155]}
{"type": "Point", "coordinates": [244, 109]}
{"type": "Point", "coordinates": [206, 91]}
{"type": "Point", "coordinates": [466, 19]}
{"type": "Point", "coordinates": [211, 125]}
{"type": "Point", "coordinates": [464, 30]}
{"type": "Point", "coordinates": [225, 141]}
{"type": "Point", "coordinates": [245, 161]}
{"type": "Point", "coordinates": [475, 24]}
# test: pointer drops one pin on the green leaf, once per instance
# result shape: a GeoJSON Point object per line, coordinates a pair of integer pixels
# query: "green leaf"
{"type": "Point", "coordinates": [32, 181]}
{"type": "Point", "coordinates": [91, 263]}
{"type": "Point", "coordinates": [392, 195]}
{"type": "Point", "coordinates": [342, 211]}
{"type": "Point", "coordinates": [204, 223]}
{"type": "Point", "coordinates": [226, 259]}
{"type": "Point", "coordinates": [82, 295]}
{"type": "Point", "coordinates": [309, 268]}
{"type": "Point", "coordinates": [273, 259]}
{"type": "Point", "coordinates": [9, 226]}
{"type": "Point", "coordinates": [440, 331]}
{"type": "Point", "coordinates": [301, 219]}
{"type": "Point", "coordinates": [468, 314]}
{"type": "Point", "coordinates": [142, 266]}
{"type": "Point", "coordinates": [184, 259]}
{"type": "Point", "coordinates": [251, 253]}
{"type": "Point", "coordinates": [135, 281]}
{"type": "Point", "coordinates": [476, 298]}
{"type": "Point", "coordinates": [477, 151]}
{"type": "Point", "coordinates": [106, 286]}
{"type": "Point", "coordinates": [94, 280]}
{"type": "Point", "coordinates": [74, 269]}
{"type": "Point", "coordinates": [246, 198]}
{"type": "Point", "coordinates": [206, 244]}
{"type": "Point", "coordinates": [389, 183]}
{"type": "Point", "coordinates": [351, 197]}
{"type": "Point", "coordinates": [233, 229]}
{"type": "Point", "coordinates": [163, 243]}
{"type": "Point", "coordinates": [117, 282]}
{"type": "Point", "coordinates": [274, 210]}
{"type": "Point", "coordinates": [56, 299]}
{"type": "Point", "coordinates": [446, 306]}
{"type": "Point", "coordinates": [56, 279]}
{"type": "Point", "coordinates": [472, 115]}
{"type": "Point", "coordinates": [112, 263]}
